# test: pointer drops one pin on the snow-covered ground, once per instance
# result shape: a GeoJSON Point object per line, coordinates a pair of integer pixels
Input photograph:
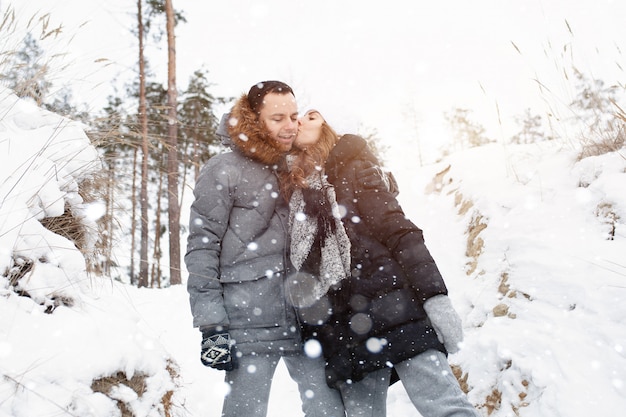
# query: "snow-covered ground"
{"type": "Point", "coordinates": [531, 242]}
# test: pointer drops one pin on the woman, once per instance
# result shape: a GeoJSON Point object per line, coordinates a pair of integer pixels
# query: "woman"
{"type": "Point", "coordinates": [393, 310]}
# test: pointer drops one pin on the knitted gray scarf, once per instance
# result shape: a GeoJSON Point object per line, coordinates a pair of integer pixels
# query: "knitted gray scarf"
{"type": "Point", "coordinates": [314, 212]}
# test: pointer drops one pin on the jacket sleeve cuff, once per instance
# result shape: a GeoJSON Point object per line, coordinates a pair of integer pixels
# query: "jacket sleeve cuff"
{"type": "Point", "coordinates": [208, 331]}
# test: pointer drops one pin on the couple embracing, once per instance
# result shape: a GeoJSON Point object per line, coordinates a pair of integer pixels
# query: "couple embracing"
{"type": "Point", "coordinates": [296, 240]}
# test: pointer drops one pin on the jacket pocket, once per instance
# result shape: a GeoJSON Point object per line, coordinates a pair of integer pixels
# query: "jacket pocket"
{"type": "Point", "coordinates": [395, 308]}
{"type": "Point", "coordinates": [250, 269]}
{"type": "Point", "coordinates": [256, 303]}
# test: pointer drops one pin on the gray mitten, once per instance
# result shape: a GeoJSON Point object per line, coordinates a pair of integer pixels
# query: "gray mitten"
{"type": "Point", "coordinates": [445, 321]}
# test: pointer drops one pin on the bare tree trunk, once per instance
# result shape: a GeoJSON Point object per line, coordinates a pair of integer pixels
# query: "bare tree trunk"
{"type": "Point", "coordinates": [143, 198]}
{"type": "Point", "coordinates": [196, 157]}
{"type": "Point", "coordinates": [155, 275]}
{"type": "Point", "coordinates": [186, 166]}
{"type": "Point", "coordinates": [133, 219]}
{"type": "Point", "coordinates": [107, 238]}
{"type": "Point", "coordinates": [173, 206]}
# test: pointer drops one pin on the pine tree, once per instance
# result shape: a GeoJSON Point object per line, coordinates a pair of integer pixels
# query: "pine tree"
{"type": "Point", "coordinates": [28, 74]}
{"type": "Point", "coordinates": [531, 129]}
{"type": "Point", "coordinates": [111, 136]}
{"type": "Point", "coordinates": [198, 122]}
{"type": "Point", "coordinates": [467, 133]}
{"type": "Point", "coordinates": [594, 104]}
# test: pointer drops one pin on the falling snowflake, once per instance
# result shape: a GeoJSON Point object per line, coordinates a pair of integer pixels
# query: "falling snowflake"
{"type": "Point", "coordinates": [312, 348]}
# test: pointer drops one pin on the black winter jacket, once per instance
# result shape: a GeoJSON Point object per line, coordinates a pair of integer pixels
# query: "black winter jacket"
{"type": "Point", "coordinates": [377, 315]}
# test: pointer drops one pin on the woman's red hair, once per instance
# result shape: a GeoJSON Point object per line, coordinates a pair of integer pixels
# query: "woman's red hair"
{"type": "Point", "coordinates": [308, 160]}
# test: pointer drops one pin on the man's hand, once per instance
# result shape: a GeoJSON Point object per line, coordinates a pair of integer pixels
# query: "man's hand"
{"type": "Point", "coordinates": [374, 177]}
{"type": "Point", "coordinates": [217, 351]}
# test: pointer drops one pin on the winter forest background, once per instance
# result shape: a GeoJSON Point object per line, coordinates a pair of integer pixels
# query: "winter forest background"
{"type": "Point", "coordinates": [528, 228]}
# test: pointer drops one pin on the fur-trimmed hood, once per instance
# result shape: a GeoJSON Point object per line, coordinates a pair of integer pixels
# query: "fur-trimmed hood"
{"type": "Point", "coordinates": [249, 136]}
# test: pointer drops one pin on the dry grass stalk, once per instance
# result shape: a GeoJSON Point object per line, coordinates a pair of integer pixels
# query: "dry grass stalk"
{"type": "Point", "coordinates": [137, 383]}
{"type": "Point", "coordinates": [474, 242]}
{"type": "Point", "coordinates": [461, 377]}
{"type": "Point", "coordinates": [166, 401]}
{"type": "Point", "coordinates": [607, 214]}
{"type": "Point", "coordinates": [436, 185]}
{"type": "Point", "coordinates": [34, 78]}
{"type": "Point", "coordinates": [105, 384]}
{"type": "Point", "coordinates": [68, 226]}
{"type": "Point", "coordinates": [608, 141]}
{"type": "Point", "coordinates": [493, 401]}
{"type": "Point", "coordinates": [21, 267]}
{"type": "Point", "coordinates": [464, 205]}
{"type": "Point", "coordinates": [504, 286]}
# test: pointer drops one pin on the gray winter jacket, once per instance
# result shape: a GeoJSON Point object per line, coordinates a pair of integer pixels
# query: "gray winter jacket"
{"type": "Point", "coordinates": [236, 250]}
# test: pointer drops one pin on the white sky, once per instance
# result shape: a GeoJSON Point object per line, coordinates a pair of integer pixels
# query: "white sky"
{"type": "Point", "coordinates": [380, 64]}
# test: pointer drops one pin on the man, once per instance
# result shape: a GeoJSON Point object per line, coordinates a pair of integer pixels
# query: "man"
{"type": "Point", "coordinates": [237, 261]}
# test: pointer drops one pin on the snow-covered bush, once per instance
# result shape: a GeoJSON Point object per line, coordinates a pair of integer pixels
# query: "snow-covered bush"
{"type": "Point", "coordinates": [44, 159]}
{"type": "Point", "coordinates": [68, 344]}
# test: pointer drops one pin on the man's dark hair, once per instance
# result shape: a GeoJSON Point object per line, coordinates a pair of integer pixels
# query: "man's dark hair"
{"type": "Point", "coordinates": [258, 92]}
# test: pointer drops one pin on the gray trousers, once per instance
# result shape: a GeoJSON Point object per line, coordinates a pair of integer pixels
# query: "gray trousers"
{"type": "Point", "coordinates": [428, 381]}
{"type": "Point", "coordinates": [251, 382]}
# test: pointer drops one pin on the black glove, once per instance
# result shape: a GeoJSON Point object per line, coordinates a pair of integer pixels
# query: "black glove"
{"type": "Point", "coordinates": [217, 351]}
{"type": "Point", "coordinates": [374, 177]}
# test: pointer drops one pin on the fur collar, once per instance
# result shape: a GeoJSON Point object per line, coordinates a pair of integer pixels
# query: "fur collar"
{"type": "Point", "coordinates": [250, 137]}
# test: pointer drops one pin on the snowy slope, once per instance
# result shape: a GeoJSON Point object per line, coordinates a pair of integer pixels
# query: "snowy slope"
{"type": "Point", "coordinates": [522, 235]}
